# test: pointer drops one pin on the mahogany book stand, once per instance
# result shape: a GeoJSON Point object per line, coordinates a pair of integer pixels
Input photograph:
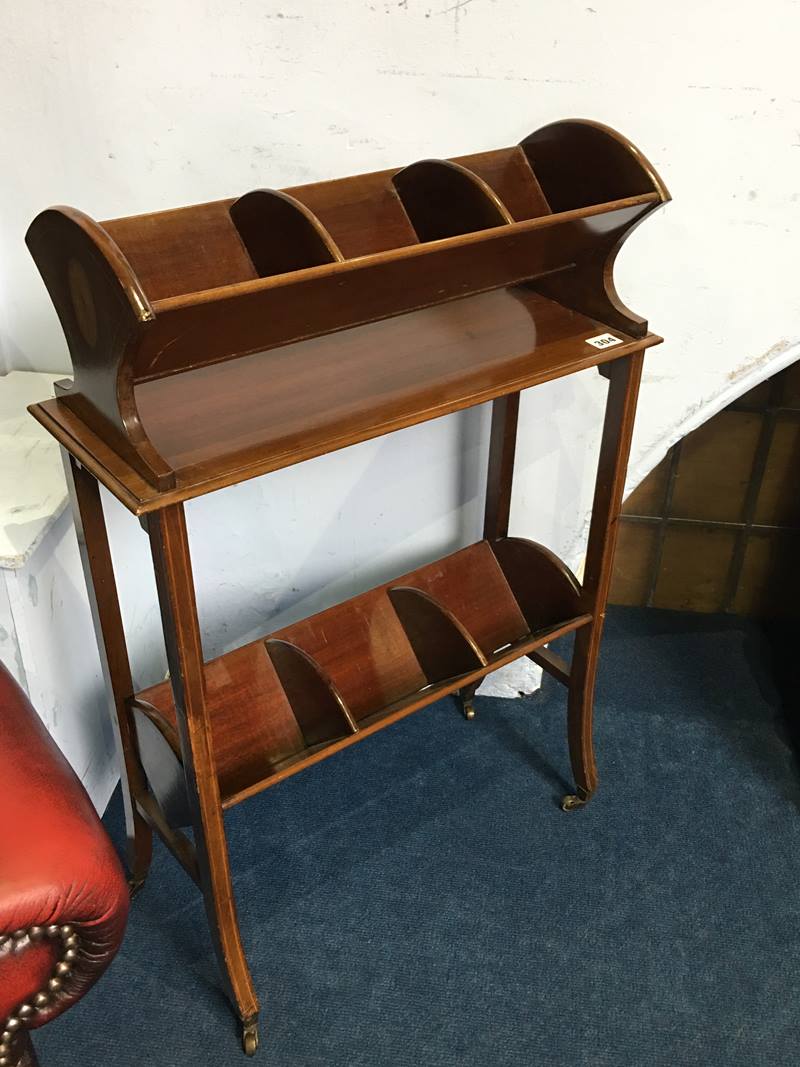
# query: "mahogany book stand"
{"type": "Point", "coordinates": [218, 342]}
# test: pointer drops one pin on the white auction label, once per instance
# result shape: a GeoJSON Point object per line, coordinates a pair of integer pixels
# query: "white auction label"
{"type": "Point", "coordinates": [604, 340]}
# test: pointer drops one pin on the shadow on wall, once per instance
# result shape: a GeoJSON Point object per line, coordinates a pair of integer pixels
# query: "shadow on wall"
{"type": "Point", "coordinates": [279, 548]}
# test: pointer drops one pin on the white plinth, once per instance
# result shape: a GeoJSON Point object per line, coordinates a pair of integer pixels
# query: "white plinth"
{"type": "Point", "coordinates": [47, 639]}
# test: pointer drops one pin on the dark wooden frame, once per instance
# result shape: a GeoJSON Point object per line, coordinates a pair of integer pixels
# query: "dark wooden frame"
{"type": "Point", "coordinates": [225, 316]}
{"type": "Point", "coordinates": [773, 410]}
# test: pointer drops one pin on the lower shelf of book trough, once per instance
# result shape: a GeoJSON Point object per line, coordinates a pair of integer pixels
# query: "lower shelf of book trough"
{"type": "Point", "coordinates": [304, 692]}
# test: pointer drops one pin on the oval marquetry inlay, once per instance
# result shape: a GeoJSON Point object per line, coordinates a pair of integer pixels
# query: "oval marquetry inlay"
{"type": "Point", "coordinates": [82, 301]}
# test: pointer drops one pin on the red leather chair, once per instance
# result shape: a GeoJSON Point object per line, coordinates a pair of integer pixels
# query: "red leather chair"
{"type": "Point", "coordinates": [63, 894]}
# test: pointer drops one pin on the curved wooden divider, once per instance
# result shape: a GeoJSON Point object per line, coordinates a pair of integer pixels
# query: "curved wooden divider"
{"type": "Point", "coordinates": [281, 234]}
{"type": "Point", "coordinates": [471, 587]}
{"type": "Point", "coordinates": [159, 750]}
{"type": "Point", "coordinates": [316, 703]}
{"type": "Point", "coordinates": [580, 163]}
{"type": "Point", "coordinates": [441, 644]}
{"type": "Point", "coordinates": [444, 199]}
{"type": "Point", "coordinates": [543, 585]}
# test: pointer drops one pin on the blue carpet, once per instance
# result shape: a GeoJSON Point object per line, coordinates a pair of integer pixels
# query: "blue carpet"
{"type": "Point", "coordinates": [420, 900]}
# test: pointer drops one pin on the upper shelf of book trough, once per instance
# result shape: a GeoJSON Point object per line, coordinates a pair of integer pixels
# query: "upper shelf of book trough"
{"type": "Point", "coordinates": [220, 341]}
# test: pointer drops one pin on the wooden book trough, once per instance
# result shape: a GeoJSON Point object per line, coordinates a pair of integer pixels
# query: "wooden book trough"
{"type": "Point", "coordinates": [219, 342]}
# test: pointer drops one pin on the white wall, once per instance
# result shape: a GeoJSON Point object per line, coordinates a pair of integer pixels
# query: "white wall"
{"type": "Point", "coordinates": [124, 107]}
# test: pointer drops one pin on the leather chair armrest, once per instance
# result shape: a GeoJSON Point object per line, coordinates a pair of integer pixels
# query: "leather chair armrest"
{"type": "Point", "coordinates": [63, 894]}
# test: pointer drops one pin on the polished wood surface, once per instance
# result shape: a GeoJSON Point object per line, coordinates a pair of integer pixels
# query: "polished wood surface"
{"type": "Point", "coordinates": [221, 341]}
{"type": "Point", "coordinates": [368, 380]}
{"type": "Point", "coordinates": [544, 592]}
{"type": "Point", "coordinates": [509, 174]}
{"type": "Point", "coordinates": [443, 647]}
{"type": "Point", "coordinates": [183, 251]}
{"type": "Point", "coordinates": [254, 414]}
{"type": "Point", "coordinates": [104, 313]}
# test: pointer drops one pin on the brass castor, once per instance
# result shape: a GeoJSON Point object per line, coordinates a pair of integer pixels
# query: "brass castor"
{"type": "Point", "coordinates": [250, 1037]}
{"type": "Point", "coordinates": [573, 801]}
{"type": "Point", "coordinates": [466, 696]}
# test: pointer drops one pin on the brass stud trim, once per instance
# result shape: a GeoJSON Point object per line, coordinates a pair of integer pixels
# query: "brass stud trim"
{"type": "Point", "coordinates": [70, 943]}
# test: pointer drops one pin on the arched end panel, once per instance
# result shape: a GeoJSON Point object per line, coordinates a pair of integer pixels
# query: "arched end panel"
{"type": "Point", "coordinates": [579, 163]}
{"type": "Point", "coordinates": [544, 587]}
{"type": "Point", "coordinates": [158, 750]}
{"type": "Point", "coordinates": [444, 199]}
{"type": "Point", "coordinates": [316, 703]}
{"type": "Point", "coordinates": [281, 234]}
{"type": "Point", "coordinates": [588, 286]}
{"type": "Point", "coordinates": [104, 313]}
{"type": "Point", "coordinates": [442, 646]}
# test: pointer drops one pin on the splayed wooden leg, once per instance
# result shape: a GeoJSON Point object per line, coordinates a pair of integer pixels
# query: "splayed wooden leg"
{"type": "Point", "coordinates": [580, 716]}
{"type": "Point", "coordinates": [624, 376]}
{"type": "Point", "coordinates": [175, 585]}
{"type": "Point", "coordinates": [98, 569]}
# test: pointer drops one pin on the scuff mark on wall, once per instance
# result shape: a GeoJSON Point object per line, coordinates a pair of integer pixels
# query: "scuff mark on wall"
{"type": "Point", "coordinates": [456, 10]}
{"type": "Point", "coordinates": [752, 367]}
{"type": "Point", "coordinates": [457, 7]}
